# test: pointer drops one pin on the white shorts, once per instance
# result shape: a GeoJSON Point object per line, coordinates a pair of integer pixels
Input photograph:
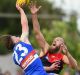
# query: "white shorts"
{"type": "Point", "coordinates": [52, 74]}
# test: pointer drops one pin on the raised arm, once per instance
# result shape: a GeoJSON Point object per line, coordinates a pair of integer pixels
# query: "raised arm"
{"type": "Point", "coordinates": [24, 21]}
{"type": "Point", "coordinates": [24, 24]}
{"type": "Point", "coordinates": [36, 27]}
{"type": "Point", "coordinates": [68, 59]}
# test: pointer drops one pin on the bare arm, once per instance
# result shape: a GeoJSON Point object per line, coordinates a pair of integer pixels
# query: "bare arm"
{"type": "Point", "coordinates": [47, 68]}
{"type": "Point", "coordinates": [24, 21]}
{"type": "Point", "coordinates": [24, 24]}
{"type": "Point", "coordinates": [69, 60]}
{"type": "Point", "coordinates": [36, 27]}
{"type": "Point", "coordinates": [39, 36]}
{"type": "Point", "coordinates": [54, 66]}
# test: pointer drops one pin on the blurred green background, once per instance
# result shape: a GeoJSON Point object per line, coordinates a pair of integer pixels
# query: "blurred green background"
{"type": "Point", "coordinates": [51, 23]}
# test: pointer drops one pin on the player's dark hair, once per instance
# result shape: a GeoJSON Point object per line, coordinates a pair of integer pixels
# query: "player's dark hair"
{"type": "Point", "coordinates": [8, 42]}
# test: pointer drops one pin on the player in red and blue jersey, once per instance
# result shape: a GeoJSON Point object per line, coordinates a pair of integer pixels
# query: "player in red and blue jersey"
{"type": "Point", "coordinates": [24, 54]}
{"type": "Point", "coordinates": [53, 52]}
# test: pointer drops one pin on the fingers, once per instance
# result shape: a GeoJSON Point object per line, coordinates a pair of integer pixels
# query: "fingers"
{"type": "Point", "coordinates": [57, 62]}
{"type": "Point", "coordinates": [31, 4]}
{"type": "Point", "coordinates": [39, 7]}
{"type": "Point", "coordinates": [34, 5]}
{"type": "Point", "coordinates": [17, 6]}
{"type": "Point", "coordinates": [55, 66]}
{"type": "Point", "coordinates": [63, 46]}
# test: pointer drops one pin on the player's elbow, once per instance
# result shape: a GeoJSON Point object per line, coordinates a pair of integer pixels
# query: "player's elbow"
{"type": "Point", "coordinates": [75, 66]}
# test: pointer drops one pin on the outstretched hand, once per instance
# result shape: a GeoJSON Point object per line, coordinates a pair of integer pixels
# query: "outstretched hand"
{"type": "Point", "coordinates": [18, 7]}
{"type": "Point", "coordinates": [64, 48]}
{"type": "Point", "coordinates": [55, 66]}
{"type": "Point", "coordinates": [33, 8]}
